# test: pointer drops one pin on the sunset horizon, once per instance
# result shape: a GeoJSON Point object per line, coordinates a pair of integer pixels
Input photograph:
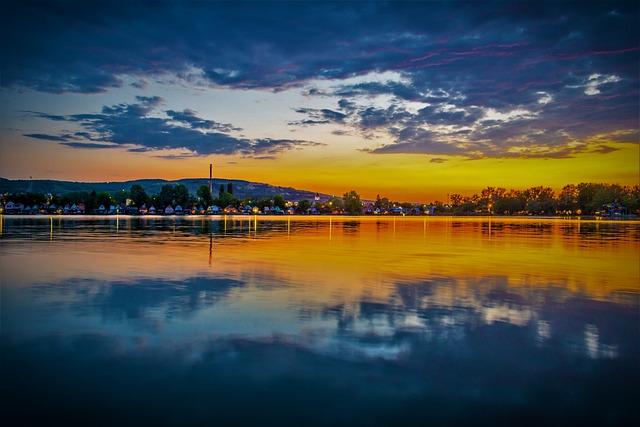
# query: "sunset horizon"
{"type": "Point", "coordinates": [315, 213]}
{"type": "Point", "coordinates": [389, 101]}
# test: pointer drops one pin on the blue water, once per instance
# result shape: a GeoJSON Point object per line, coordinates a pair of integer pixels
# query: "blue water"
{"type": "Point", "coordinates": [316, 322]}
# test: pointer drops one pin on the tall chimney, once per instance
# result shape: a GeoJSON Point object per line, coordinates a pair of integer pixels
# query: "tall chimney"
{"type": "Point", "coordinates": [211, 178]}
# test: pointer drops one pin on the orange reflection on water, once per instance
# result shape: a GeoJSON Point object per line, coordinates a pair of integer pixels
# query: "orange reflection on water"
{"type": "Point", "coordinates": [333, 259]}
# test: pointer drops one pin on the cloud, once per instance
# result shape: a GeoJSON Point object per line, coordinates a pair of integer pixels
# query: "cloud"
{"type": "Point", "coordinates": [89, 145]}
{"type": "Point", "coordinates": [437, 160]}
{"type": "Point", "coordinates": [319, 116]}
{"type": "Point", "coordinates": [463, 76]}
{"type": "Point", "coordinates": [190, 118]}
{"type": "Point", "coordinates": [133, 127]}
{"type": "Point", "coordinates": [89, 48]}
{"type": "Point", "coordinates": [47, 137]}
{"type": "Point", "coordinates": [596, 80]}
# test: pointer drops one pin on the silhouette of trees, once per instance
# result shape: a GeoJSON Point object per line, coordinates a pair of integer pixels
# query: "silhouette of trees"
{"type": "Point", "coordinates": [204, 194]}
{"type": "Point", "coordinates": [351, 202]}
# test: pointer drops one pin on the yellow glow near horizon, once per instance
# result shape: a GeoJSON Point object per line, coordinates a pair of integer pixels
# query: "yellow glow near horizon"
{"type": "Point", "coordinates": [332, 169]}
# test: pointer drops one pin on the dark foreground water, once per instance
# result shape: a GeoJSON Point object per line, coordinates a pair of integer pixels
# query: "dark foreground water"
{"type": "Point", "coordinates": [301, 322]}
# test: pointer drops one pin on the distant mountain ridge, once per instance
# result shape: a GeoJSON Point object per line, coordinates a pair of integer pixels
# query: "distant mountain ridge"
{"type": "Point", "coordinates": [241, 188]}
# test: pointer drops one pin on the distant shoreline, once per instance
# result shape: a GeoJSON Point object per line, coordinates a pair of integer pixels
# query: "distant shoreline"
{"type": "Point", "coordinates": [589, 218]}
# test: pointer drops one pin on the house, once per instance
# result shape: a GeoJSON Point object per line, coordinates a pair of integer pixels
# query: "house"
{"type": "Point", "coordinates": [230, 210]}
{"type": "Point", "coordinates": [178, 210]}
{"type": "Point", "coordinates": [30, 210]}
{"type": "Point", "coordinates": [112, 209]}
{"type": "Point", "coordinates": [168, 210]}
{"type": "Point", "coordinates": [101, 209]}
{"type": "Point", "coordinates": [612, 210]}
{"type": "Point", "coordinates": [213, 210]}
{"type": "Point", "coordinates": [143, 209]}
{"type": "Point", "coordinates": [397, 210]}
{"type": "Point", "coordinates": [13, 208]}
{"type": "Point", "coordinates": [152, 210]}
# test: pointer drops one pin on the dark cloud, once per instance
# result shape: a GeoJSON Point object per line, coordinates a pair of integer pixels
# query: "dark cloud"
{"type": "Point", "coordinates": [400, 90]}
{"type": "Point", "coordinates": [189, 117]}
{"type": "Point", "coordinates": [573, 67]}
{"type": "Point", "coordinates": [319, 116]}
{"type": "Point", "coordinates": [131, 126]}
{"type": "Point", "coordinates": [89, 47]}
{"type": "Point", "coordinates": [437, 160]}
{"type": "Point", "coordinates": [47, 137]}
{"type": "Point", "coordinates": [89, 145]}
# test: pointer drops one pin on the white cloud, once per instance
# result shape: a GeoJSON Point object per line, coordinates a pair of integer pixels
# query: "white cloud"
{"type": "Point", "coordinates": [545, 98]}
{"type": "Point", "coordinates": [596, 80]}
{"type": "Point", "coordinates": [516, 114]}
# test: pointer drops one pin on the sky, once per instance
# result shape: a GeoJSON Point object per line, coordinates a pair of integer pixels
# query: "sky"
{"type": "Point", "coordinates": [412, 100]}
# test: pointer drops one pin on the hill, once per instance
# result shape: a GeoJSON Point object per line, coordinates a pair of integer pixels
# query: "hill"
{"type": "Point", "coordinates": [241, 189]}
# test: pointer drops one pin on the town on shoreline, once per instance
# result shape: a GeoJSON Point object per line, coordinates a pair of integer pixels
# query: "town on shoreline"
{"type": "Point", "coordinates": [584, 199]}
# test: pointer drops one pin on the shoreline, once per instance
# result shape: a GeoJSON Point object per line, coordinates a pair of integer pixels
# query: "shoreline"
{"type": "Point", "coordinates": [514, 218]}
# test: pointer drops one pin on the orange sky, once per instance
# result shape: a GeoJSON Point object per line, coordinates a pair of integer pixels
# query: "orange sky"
{"type": "Point", "coordinates": [332, 169]}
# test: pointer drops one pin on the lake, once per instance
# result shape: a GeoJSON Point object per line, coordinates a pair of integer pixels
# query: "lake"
{"type": "Point", "coordinates": [319, 321]}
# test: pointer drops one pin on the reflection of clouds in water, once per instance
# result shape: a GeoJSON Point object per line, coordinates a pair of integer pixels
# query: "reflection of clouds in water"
{"type": "Point", "coordinates": [448, 312]}
{"type": "Point", "coordinates": [149, 301]}
{"type": "Point", "coordinates": [442, 311]}
{"type": "Point", "coordinates": [594, 348]}
{"type": "Point", "coordinates": [543, 331]}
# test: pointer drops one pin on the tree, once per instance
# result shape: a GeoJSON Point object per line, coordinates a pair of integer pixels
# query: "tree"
{"type": "Point", "coordinates": [334, 204]}
{"type": "Point", "coordinates": [174, 195]}
{"type": "Point", "coordinates": [279, 202]}
{"type": "Point", "coordinates": [167, 195]}
{"type": "Point", "coordinates": [568, 198]}
{"type": "Point", "coordinates": [456, 199]}
{"type": "Point", "coordinates": [138, 195]}
{"type": "Point", "coordinates": [227, 199]}
{"type": "Point", "coordinates": [264, 203]}
{"type": "Point", "coordinates": [382, 204]}
{"type": "Point", "coordinates": [104, 199]}
{"type": "Point", "coordinates": [351, 202]}
{"type": "Point", "coordinates": [156, 201]}
{"type": "Point", "coordinates": [304, 206]}
{"type": "Point", "coordinates": [91, 203]}
{"type": "Point", "coordinates": [509, 204]}
{"type": "Point", "coordinates": [205, 195]}
{"type": "Point", "coordinates": [181, 195]}
{"type": "Point", "coordinates": [631, 198]}
{"type": "Point", "coordinates": [221, 190]}
{"type": "Point", "coordinates": [540, 200]}
{"type": "Point", "coordinates": [229, 188]}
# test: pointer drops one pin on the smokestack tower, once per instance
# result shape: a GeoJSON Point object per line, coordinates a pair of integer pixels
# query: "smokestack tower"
{"type": "Point", "coordinates": [211, 178]}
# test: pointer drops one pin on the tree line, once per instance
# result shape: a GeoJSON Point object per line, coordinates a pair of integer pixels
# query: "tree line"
{"type": "Point", "coordinates": [580, 199]}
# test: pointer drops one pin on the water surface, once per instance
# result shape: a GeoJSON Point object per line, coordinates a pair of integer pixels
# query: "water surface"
{"type": "Point", "coordinates": [319, 321]}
